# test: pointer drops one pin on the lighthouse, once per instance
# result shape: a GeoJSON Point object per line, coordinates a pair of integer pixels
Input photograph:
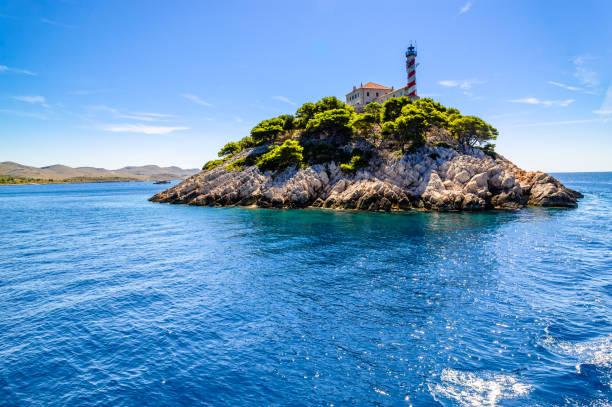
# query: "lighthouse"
{"type": "Point", "coordinates": [411, 71]}
{"type": "Point", "coordinates": [359, 97]}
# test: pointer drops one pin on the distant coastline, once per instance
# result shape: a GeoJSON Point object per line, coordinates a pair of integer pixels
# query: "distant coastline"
{"type": "Point", "coordinates": [12, 173]}
{"type": "Point", "coordinates": [9, 180]}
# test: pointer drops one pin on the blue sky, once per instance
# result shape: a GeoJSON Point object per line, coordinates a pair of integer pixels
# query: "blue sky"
{"type": "Point", "coordinates": [115, 83]}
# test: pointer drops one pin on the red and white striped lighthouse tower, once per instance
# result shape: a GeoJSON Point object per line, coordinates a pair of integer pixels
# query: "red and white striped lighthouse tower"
{"type": "Point", "coordinates": [411, 70]}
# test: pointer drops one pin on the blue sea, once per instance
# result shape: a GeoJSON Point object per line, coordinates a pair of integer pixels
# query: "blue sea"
{"type": "Point", "coordinates": [107, 299]}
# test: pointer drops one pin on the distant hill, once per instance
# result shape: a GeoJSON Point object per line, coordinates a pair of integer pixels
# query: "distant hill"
{"type": "Point", "coordinates": [62, 172]}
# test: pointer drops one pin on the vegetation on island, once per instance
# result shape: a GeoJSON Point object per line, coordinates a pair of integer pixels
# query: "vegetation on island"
{"type": "Point", "coordinates": [320, 132]}
{"type": "Point", "coordinates": [11, 180]}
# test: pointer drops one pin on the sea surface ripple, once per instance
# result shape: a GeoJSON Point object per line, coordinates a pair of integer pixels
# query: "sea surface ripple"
{"type": "Point", "coordinates": [110, 300]}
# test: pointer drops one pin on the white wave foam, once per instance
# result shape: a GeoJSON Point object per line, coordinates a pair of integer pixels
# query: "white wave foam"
{"type": "Point", "coordinates": [468, 389]}
{"type": "Point", "coordinates": [596, 352]}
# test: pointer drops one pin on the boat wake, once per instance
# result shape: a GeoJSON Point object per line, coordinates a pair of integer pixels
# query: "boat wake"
{"type": "Point", "coordinates": [469, 389]}
{"type": "Point", "coordinates": [596, 352]}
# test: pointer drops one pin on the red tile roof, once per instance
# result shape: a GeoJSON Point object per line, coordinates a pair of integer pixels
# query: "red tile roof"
{"type": "Point", "coordinates": [372, 85]}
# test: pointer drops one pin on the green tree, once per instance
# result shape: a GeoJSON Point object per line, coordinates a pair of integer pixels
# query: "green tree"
{"type": "Point", "coordinates": [288, 121]}
{"type": "Point", "coordinates": [388, 129]}
{"type": "Point", "coordinates": [308, 110]}
{"type": "Point", "coordinates": [304, 114]}
{"type": "Point", "coordinates": [392, 108]}
{"type": "Point", "coordinates": [411, 126]}
{"type": "Point", "coordinates": [330, 122]}
{"type": "Point", "coordinates": [472, 130]}
{"type": "Point", "coordinates": [246, 142]}
{"type": "Point", "coordinates": [230, 148]}
{"type": "Point", "coordinates": [435, 112]}
{"type": "Point", "coordinates": [364, 123]}
{"type": "Point", "coordinates": [267, 130]}
{"type": "Point", "coordinates": [330, 103]}
{"type": "Point", "coordinates": [375, 109]}
{"type": "Point", "coordinates": [280, 157]}
{"type": "Point", "coordinates": [357, 162]}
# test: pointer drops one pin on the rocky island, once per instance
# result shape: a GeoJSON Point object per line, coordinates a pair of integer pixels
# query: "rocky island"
{"type": "Point", "coordinates": [401, 155]}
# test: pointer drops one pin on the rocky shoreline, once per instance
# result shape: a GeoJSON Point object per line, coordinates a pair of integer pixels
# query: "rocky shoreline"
{"type": "Point", "coordinates": [434, 178]}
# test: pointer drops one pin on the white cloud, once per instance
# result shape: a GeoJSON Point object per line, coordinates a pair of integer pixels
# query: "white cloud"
{"type": "Point", "coordinates": [285, 100]}
{"type": "Point", "coordinates": [141, 128]}
{"type": "Point", "coordinates": [536, 101]}
{"type": "Point", "coordinates": [141, 116]}
{"type": "Point", "coordinates": [114, 114]}
{"type": "Point", "coordinates": [564, 86]}
{"type": "Point", "coordinates": [55, 23]}
{"type": "Point", "coordinates": [158, 115]}
{"type": "Point", "coordinates": [30, 99]}
{"type": "Point", "coordinates": [147, 116]}
{"type": "Point", "coordinates": [462, 84]}
{"type": "Point", "coordinates": [583, 73]}
{"type": "Point", "coordinates": [33, 100]}
{"type": "Point", "coordinates": [104, 108]}
{"type": "Point", "coordinates": [136, 117]}
{"type": "Point", "coordinates": [465, 8]}
{"type": "Point", "coordinates": [4, 68]}
{"type": "Point", "coordinates": [196, 99]}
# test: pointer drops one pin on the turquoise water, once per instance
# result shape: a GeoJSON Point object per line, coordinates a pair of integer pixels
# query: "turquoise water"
{"type": "Point", "coordinates": [108, 299]}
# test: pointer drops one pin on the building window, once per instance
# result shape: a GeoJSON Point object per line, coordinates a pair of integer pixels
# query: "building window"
{"type": "Point", "coordinates": [376, 94]}
{"type": "Point", "coordinates": [367, 93]}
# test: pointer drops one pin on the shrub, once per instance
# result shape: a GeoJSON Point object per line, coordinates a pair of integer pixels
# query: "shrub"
{"type": "Point", "coordinates": [472, 130]}
{"type": "Point", "coordinates": [239, 164]}
{"type": "Point", "coordinates": [388, 129]}
{"type": "Point", "coordinates": [357, 162]}
{"type": "Point", "coordinates": [319, 153]}
{"type": "Point", "coordinates": [308, 111]}
{"type": "Point", "coordinates": [214, 163]}
{"type": "Point", "coordinates": [304, 114]}
{"type": "Point", "coordinates": [267, 130]}
{"type": "Point", "coordinates": [434, 156]}
{"type": "Point", "coordinates": [442, 144]}
{"type": "Point", "coordinates": [374, 109]}
{"type": "Point", "coordinates": [280, 157]}
{"type": "Point", "coordinates": [489, 149]}
{"type": "Point", "coordinates": [392, 108]}
{"type": "Point", "coordinates": [330, 103]}
{"type": "Point", "coordinates": [411, 126]}
{"type": "Point", "coordinates": [331, 122]}
{"type": "Point", "coordinates": [364, 123]}
{"type": "Point", "coordinates": [434, 112]}
{"type": "Point", "coordinates": [230, 149]}
{"type": "Point", "coordinates": [288, 121]}
{"type": "Point", "coordinates": [236, 165]}
{"type": "Point", "coordinates": [247, 142]}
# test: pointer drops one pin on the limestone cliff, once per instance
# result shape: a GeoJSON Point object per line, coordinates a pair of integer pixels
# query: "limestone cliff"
{"type": "Point", "coordinates": [434, 178]}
